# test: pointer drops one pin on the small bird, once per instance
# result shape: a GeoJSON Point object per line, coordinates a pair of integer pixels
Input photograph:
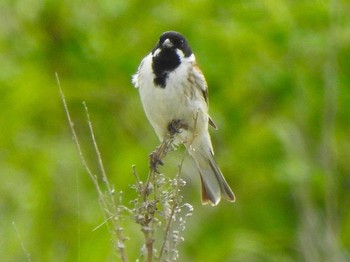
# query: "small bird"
{"type": "Point", "coordinates": [173, 89]}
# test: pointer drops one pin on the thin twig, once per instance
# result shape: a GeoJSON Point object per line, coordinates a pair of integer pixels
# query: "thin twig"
{"type": "Point", "coordinates": [97, 151]}
{"type": "Point", "coordinates": [149, 206]}
{"type": "Point", "coordinates": [173, 208]}
{"type": "Point", "coordinates": [104, 202]}
{"type": "Point", "coordinates": [138, 181]}
{"type": "Point", "coordinates": [146, 212]}
{"type": "Point", "coordinates": [156, 159]}
{"type": "Point", "coordinates": [71, 125]}
{"type": "Point", "coordinates": [21, 241]}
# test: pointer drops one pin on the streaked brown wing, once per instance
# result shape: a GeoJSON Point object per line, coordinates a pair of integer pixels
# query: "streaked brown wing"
{"type": "Point", "coordinates": [202, 84]}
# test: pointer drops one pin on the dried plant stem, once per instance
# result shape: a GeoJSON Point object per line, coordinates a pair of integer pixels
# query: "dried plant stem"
{"type": "Point", "coordinates": [107, 203]}
{"type": "Point", "coordinates": [158, 201]}
{"type": "Point", "coordinates": [21, 241]}
{"type": "Point", "coordinates": [112, 208]}
{"type": "Point", "coordinates": [156, 159]}
{"type": "Point", "coordinates": [149, 243]}
{"type": "Point", "coordinates": [172, 213]}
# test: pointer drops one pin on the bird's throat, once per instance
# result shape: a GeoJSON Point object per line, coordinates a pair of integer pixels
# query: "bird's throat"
{"type": "Point", "coordinates": [164, 62]}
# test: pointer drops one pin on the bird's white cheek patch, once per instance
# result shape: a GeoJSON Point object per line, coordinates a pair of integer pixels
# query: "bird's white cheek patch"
{"type": "Point", "coordinates": [182, 57]}
{"type": "Point", "coordinates": [156, 53]}
{"type": "Point", "coordinates": [180, 54]}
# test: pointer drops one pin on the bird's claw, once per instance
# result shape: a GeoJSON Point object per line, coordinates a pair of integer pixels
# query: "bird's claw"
{"type": "Point", "coordinates": [175, 126]}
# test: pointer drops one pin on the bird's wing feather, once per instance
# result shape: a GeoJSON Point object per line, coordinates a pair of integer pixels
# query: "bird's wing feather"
{"type": "Point", "coordinates": [200, 81]}
{"type": "Point", "coordinates": [202, 84]}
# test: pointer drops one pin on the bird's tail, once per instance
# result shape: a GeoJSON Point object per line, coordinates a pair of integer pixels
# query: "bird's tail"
{"type": "Point", "coordinates": [214, 185]}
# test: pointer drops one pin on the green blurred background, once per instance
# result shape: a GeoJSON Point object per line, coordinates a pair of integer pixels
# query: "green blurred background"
{"type": "Point", "coordinates": [278, 74]}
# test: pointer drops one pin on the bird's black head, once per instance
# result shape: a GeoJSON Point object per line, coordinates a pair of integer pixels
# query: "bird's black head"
{"type": "Point", "coordinates": [174, 40]}
{"type": "Point", "coordinates": [166, 55]}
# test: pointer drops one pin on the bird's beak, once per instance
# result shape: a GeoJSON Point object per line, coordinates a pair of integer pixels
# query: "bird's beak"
{"type": "Point", "coordinates": [167, 43]}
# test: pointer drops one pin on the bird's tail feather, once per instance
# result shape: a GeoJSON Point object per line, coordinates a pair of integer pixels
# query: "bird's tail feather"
{"type": "Point", "coordinates": [214, 184]}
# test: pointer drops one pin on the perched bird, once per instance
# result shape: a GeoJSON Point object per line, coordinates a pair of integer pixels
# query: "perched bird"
{"type": "Point", "coordinates": [173, 89]}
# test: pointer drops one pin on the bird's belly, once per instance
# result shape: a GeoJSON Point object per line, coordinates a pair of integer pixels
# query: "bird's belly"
{"type": "Point", "coordinates": [163, 105]}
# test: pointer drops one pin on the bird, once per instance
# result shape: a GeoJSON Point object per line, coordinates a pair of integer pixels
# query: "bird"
{"type": "Point", "coordinates": [173, 89]}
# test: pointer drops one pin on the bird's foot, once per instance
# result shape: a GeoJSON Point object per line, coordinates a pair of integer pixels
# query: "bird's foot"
{"type": "Point", "coordinates": [175, 126]}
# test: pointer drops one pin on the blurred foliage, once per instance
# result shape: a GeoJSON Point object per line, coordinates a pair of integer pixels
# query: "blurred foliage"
{"type": "Point", "coordinates": [279, 77]}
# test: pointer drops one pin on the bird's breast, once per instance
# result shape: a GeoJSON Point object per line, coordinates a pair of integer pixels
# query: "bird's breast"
{"type": "Point", "coordinates": [178, 100]}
